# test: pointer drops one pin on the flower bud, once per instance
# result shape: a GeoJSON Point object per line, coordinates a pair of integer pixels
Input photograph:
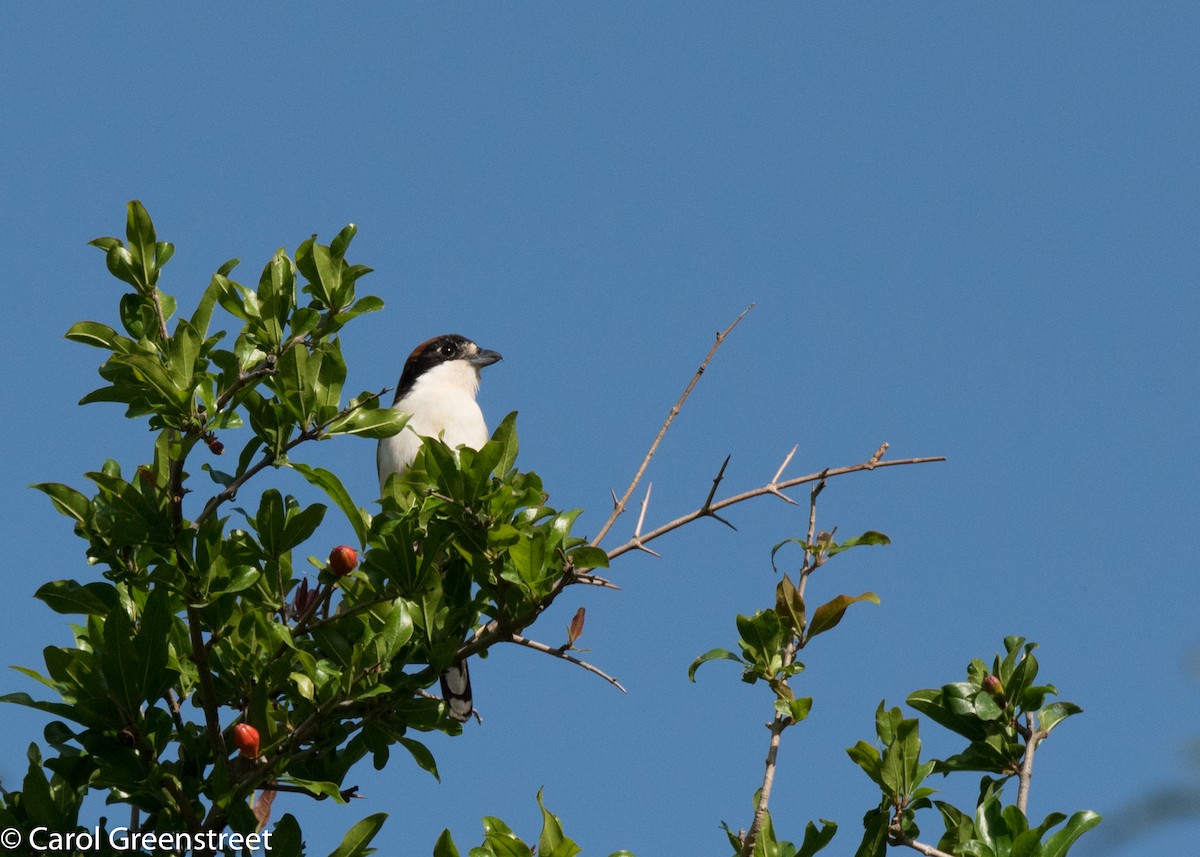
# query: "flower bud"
{"type": "Point", "coordinates": [245, 738]}
{"type": "Point", "coordinates": [994, 687]}
{"type": "Point", "coordinates": [343, 560]}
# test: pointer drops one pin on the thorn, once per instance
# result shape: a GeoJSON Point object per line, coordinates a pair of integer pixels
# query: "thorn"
{"type": "Point", "coordinates": [642, 517]}
{"type": "Point", "coordinates": [771, 489]}
{"type": "Point", "coordinates": [722, 520]}
{"type": "Point", "coordinates": [716, 482]}
{"type": "Point", "coordinates": [637, 543]}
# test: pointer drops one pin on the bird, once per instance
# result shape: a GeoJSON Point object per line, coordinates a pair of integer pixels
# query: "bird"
{"type": "Point", "coordinates": [437, 391]}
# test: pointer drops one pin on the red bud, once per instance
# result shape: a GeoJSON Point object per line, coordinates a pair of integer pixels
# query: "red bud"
{"type": "Point", "coordinates": [245, 738]}
{"type": "Point", "coordinates": [993, 687]}
{"type": "Point", "coordinates": [575, 629]}
{"type": "Point", "coordinates": [343, 560]}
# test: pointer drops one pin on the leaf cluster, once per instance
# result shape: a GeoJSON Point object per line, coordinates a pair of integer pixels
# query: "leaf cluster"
{"type": "Point", "coordinates": [199, 616]}
{"type": "Point", "coordinates": [1002, 712]}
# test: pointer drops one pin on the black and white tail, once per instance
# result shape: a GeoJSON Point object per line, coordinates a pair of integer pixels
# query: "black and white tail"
{"type": "Point", "coordinates": [456, 690]}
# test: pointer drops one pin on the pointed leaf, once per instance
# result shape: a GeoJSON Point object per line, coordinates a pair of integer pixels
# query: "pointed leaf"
{"type": "Point", "coordinates": [712, 655]}
{"type": "Point", "coordinates": [328, 482]}
{"type": "Point", "coordinates": [829, 614]}
{"type": "Point", "coordinates": [355, 843]}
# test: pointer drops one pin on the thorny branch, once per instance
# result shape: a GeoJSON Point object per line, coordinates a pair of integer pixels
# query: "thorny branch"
{"type": "Point", "coordinates": [496, 631]}
{"type": "Point", "coordinates": [773, 487]}
{"type": "Point", "coordinates": [619, 505]}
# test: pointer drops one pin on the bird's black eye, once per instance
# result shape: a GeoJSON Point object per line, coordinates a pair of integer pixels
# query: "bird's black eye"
{"type": "Point", "coordinates": [448, 350]}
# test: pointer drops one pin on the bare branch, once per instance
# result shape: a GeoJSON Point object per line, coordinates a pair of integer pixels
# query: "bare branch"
{"type": "Point", "coordinates": [619, 505]}
{"type": "Point", "coordinates": [561, 653]}
{"type": "Point", "coordinates": [758, 492]}
{"type": "Point", "coordinates": [810, 562]}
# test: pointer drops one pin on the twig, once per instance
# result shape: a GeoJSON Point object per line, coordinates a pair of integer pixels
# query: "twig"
{"type": "Point", "coordinates": [619, 505]}
{"type": "Point", "coordinates": [758, 492]}
{"type": "Point", "coordinates": [1025, 776]}
{"type": "Point", "coordinates": [927, 850]}
{"type": "Point", "coordinates": [561, 653]}
{"type": "Point", "coordinates": [810, 561]}
{"type": "Point", "coordinates": [270, 458]}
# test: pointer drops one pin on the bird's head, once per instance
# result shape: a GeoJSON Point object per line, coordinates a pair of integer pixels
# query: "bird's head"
{"type": "Point", "coordinates": [448, 359]}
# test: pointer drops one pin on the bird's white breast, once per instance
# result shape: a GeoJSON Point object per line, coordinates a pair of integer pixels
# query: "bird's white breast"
{"type": "Point", "coordinates": [441, 404]}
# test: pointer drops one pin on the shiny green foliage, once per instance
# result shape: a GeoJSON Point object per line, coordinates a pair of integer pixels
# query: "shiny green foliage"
{"type": "Point", "coordinates": [1003, 714]}
{"type": "Point", "coordinates": [196, 616]}
{"type": "Point", "coordinates": [768, 643]}
{"type": "Point", "coordinates": [500, 841]}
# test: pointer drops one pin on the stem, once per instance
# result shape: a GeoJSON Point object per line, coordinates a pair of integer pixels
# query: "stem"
{"type": "Point", "coordinates": [927, 850]}
{"type": "Point", "coordinates": [208, 691]}
{"type": "Point", "coordinates": [776, 727]}
{"type": "Point", "coordinates": [1025, 776]}
{"type": "Point", "coordinates": [619, 505]}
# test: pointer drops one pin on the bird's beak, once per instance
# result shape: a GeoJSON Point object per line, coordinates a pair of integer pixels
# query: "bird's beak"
{"type": "Point", "coordinates": [483, 357]}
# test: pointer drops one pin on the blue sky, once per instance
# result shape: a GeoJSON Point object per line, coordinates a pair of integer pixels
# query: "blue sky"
{"type": "Point", "coordinates": [968, 229]}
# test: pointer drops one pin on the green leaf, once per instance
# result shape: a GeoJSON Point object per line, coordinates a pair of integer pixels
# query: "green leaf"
{"type": "Point", "coordinates": [68, 501]}
{"type": "Point", "coordinates": [373, 423]}
{"type": "Point", "coordinates": [355, 843]}
{"type": "Point", "coordinates": [789, 604]}
{"type": "Point", "coordinates": [948, 707]}
{"type": "Point", "coordinates": [139, 232]}
{"type": "Point", "coordinates": [552, 842]}
{"type": "Point", "coordinates": [286, 841]}
{"type": "Point", "coordinates": [814, 839]}
{"type": "Point", "coordinates": [95, 334]}
{"type": "Point", "coordinates": [586, 557]}
{"type": "Point", "coordinates": [867, 757]}
{"type": "Point", "coordinates": [1061, 842]}
{"type": "Point", "coordinates": [506, 436]}
{"type": "Point", "coordinates": [761, 639]}
{"type": "Point", "coordinates": [712, 655]}
{"type": "Point", "coordinates": [423, 757]}
{"type": "Point", "coordinates": [444, 847]}
{"type": "Point", "coordinates": [69, 598]}
{"type": "Point", "coordinates": [803, 544]}
{"type": "Point", "coordinates": [870, 537]}
{"type": "Point", "coordinates": [1055, 713]}
{"type": "Point", "coordinates": [121, 662]}
{"type": "Point", "coordinates": [797, 709]}
{"type": "Point", "coordinates": [328, 482]}
{"type": "Point", "coordinates": [829, 614]}
{"type": "Point", "coordinates": [501, 840]}
{"type": "Point", "coordinates": [874, 841]}
{"type": "Point", "coordinates": [59, 709]}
